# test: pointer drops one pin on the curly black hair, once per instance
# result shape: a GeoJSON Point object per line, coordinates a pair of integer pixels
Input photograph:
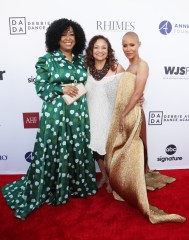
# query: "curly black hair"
{"type": "Point", "coordinates": [89, 59]}
{"type": "Point", "coordinates": [57, 28]}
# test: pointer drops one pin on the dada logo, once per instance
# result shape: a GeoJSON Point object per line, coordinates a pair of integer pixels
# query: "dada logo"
{"type": "Point", "coordinates": [17, 25]}
{"type": "Point", "coordinates": [155, 118]}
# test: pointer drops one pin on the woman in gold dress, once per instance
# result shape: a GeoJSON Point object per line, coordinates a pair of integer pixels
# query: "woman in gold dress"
{"type": "Point", "coordinates": [125, 149]}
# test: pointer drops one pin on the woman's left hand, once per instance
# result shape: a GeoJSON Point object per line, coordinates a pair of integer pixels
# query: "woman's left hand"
{"type": "Point", "coordinates": [70, 90]}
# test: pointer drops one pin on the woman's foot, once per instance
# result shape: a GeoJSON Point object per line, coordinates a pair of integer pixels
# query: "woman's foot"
{"type": "Point", "coordinates": [108, 187]}
{"type": "Point", "coordinates": [102, 181]}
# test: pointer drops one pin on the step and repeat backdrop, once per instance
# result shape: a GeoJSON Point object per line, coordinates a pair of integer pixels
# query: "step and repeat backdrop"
{"type": "Point", "coordinates": [163, 28]}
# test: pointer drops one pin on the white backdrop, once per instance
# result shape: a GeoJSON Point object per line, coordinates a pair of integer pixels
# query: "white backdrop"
{"type": "Point", "coordinates": [163, 28]}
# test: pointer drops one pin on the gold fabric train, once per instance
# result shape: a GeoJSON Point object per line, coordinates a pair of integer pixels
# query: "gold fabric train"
{"type": "Point", "coordinates": [125, 159]}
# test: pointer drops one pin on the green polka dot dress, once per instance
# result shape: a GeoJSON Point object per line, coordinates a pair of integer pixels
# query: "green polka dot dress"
{"type": "Point", "coordinates": [62, 165]}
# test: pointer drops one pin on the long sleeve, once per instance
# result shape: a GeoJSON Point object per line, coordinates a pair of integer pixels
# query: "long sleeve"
{"type": "Point", "coordinates": [45, 89]}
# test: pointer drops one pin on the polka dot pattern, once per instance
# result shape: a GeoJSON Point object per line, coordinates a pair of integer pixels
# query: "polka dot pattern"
{"type": "Point", "coordinates": [62, 165]}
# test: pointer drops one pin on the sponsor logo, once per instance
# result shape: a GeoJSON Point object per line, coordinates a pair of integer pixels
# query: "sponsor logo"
{"type": "Point", "coordinates": [164, 159]}
{"type": "Point", "coordinates": [31, 79]}
{"type": "Point", "coordinates": [158, 118]}
{"type": "Point", "coordinates": [166, 27]}
{"type": "Point", "coordinates": [20, 25]}
{"type": "Point", "coordinates": [29, 156]}
{"type": "Point", "coordinates": [155, 118]}
{"type": "Point", "coordinates": [176, 72]}
{"type": "Point", "coordinates": [31, 120]}
{"type": "Point", "coordinates": [115, 25]}
{"type": "Point", "coordinates": [175, 118]}
{"type": "Point", "coordinates": [17, 25]}
{"type": "Point", "coordinates": [1, 74]}
{"type": "Point", "coordinates": [3, 157]}
{"type": "Point", "coordinates": [170, 150]}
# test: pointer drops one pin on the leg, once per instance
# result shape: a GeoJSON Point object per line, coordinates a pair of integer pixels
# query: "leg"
{"type": "Point", "coordinates": [104, 179]}
{"type": "Point", "coordinates": [143, 137]}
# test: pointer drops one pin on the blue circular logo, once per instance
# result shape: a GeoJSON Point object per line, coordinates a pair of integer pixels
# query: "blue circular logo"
{"type": "Point", "coordinates": [165, 27]}
{"type": "Point", "coordinates": [28, 156]}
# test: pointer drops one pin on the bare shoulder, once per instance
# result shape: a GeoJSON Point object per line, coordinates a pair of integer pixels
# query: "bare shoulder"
{"type": "Point", "coordinates": [143, 68]}
{"type": "Point", "coordinates": [120, 68]}
{"type": "Point", "coordinates": [143, 64]}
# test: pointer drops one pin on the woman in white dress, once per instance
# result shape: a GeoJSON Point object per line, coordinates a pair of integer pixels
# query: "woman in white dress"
{"type": "Point", "coordinates": [104, 73]}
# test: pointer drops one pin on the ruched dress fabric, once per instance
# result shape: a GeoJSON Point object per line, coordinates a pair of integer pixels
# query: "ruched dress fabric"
{"type": "Point", "coordinates": [101, 97]}
{"type": "Point", "coordinates": [125, 158]}
{"type": "Point", "coordinates": [62, 164]}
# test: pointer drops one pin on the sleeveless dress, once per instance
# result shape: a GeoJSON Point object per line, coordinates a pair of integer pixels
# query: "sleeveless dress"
{"type": "Point", "coordinates": [101, 98]}
{"type": "Point", "coordinates": [62, 165]}
{"type": "Point", "coordinates": [125, 159]}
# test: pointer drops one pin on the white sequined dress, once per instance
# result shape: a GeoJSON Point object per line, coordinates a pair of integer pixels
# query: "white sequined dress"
{"type": "Point", "coordinates": [101, 98]}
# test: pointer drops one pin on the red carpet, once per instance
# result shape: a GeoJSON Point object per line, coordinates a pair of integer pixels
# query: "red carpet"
{"type": "Point", "coordinates": [100, 217]}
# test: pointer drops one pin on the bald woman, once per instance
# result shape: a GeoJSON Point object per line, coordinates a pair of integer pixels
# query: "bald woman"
{"type": "Point", "coordinates": [126, 145]}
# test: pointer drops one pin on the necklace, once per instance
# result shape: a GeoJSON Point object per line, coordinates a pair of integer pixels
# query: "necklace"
{"type": "Point", "coordinates": [98, 74]}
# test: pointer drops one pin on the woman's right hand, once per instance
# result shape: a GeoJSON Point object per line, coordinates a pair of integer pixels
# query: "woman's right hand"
{"type": "Point", "coordinates": [70, 90]}
{"type": "Point", "coordinates": [141, 100]}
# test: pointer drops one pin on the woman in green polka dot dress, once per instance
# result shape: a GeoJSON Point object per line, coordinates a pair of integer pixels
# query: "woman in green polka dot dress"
{"type": "Point", "coordinates": [62, 164]}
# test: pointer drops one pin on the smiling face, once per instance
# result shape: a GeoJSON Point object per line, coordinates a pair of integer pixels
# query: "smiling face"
{"type": "Point", "coordinates": [100, 50]}
{"type": "Point", "coordinates": [67, 41]}
{"type": "Point", "coordinates": [130, 44]}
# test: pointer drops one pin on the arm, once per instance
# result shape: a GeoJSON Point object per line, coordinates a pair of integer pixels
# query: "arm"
{"type": "Point", "coordinates": [142, 75]}
{"type": "Point", "coordinates": [120, 68]}
{"type": "Point", "coordinates": [45, 90]}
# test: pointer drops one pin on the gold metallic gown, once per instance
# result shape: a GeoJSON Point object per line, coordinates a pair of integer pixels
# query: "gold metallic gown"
{"type": "Point", "coordinates": [125, 159]}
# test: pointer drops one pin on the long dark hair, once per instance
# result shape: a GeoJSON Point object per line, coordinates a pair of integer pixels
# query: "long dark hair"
{"type": "Point", "coordinates": [89, 59]}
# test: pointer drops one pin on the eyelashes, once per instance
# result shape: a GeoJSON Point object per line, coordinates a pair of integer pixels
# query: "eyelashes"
{"type": "Point", "coordinates": [103, 48]}
{"type": "Point", "coordinates": [130, 45]}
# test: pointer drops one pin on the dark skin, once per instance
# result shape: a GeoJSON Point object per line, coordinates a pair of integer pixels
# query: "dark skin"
{"type": "Point", "coordinates": [67, 42]}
